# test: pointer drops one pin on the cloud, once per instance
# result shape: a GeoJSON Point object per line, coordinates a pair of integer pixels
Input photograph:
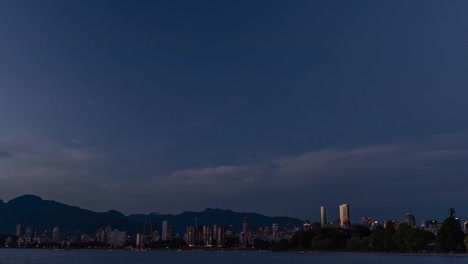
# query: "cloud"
{"type": "Point", "coordinates": [398, 173]}
{"type": "Point", "coordinates": [414, 176]}
{"type": "Point", "coordinates": [44, 167]}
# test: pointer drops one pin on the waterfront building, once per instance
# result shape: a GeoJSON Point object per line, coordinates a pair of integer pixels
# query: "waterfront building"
{"type": "Point", "coordinates": [153, 227]}
{"type": "Point", "coordinates": [451, 212]}
{"type": "Point", "coordinates": [345, 216]}
{"type": "Point", "coordinates": [323, 216]}
{"type": "Point", "coordinates": [190, 236]}
{"type": "Point", "coordinates": [164, 231]}
{"type": "Point", "coordinates": [170, 232]}
{"type": "Point", "coordinates": [245, 225]}
{"type": "Point", "coordinates": [19, 230]}
{"type": "Point", "coordinates": [56, 235]}
{"type": "Point", "coordinates": [117, 238]}
{"type": "Point", "coordinates": [207, 235]}
{"type": "Point", "coordinates": [220, 236]}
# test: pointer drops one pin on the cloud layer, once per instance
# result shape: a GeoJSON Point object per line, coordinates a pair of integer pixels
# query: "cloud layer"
{"type": "Point", "coordinates": [384, 181]}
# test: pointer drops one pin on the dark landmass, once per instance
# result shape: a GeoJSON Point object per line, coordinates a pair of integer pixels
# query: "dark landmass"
{"type": "Point", "coordinates": [33, 211]}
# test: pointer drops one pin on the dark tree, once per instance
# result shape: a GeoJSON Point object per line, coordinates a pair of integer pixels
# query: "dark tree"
{"type": "Point", "coordinates": [450, 237]}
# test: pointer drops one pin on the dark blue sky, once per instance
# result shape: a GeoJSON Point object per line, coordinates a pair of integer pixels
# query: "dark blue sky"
{"type": "Point", "coordinates": [276, 107]}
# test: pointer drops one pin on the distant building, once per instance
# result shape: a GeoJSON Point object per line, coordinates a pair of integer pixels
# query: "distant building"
{"type": "Point", "coordinates": [19, 230]}
{"type": "Point", "coordinates": [374, 225]}
{"type": "Point", "coordinates": [451, 212]}
{"type": "Point", "coordinates": [153, 227]}
{"type": "Point", "coordinates": [220, 236]}
{"type": "Point", "coordinates": [56, 235]}
{"type": "Point", "coordinates": [140, 240]}
{"type": "Point", "coordinates": [431, 224]}
{"type": "Point", "coordinates": [323, 216]}
{"type": "Point", "coordinates": [410, 220]}
{"type": "Point", "coordinates": [274, 228]}
{"type": "Point", "coordinates": [164, 231]}
{"type": "Point", "coordinates": [207, 236]}
{"type": "Point", "coordinates": [190, 236]}
{"type": "Point", "coordinates": [117, 238]}
{"type": "Point", "coordinates": [170, 232]}
{"type": "Point", "coordinates": [345, 220]}
{"type": "Point", "coordinates": [306, 225]}
{"type": "Point", "coordinates": [245, 225]}
{"type": "Point", "coordinates": [337, 223]}
{"type": "Point", "coordinates": [366, 221]}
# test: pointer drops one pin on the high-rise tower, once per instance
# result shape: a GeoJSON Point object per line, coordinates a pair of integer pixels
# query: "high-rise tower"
{"type": "Point", "coordinates": [323, 216]}
{"type": "Point", "coordinates": [164, 231]}
{"type": "Point", "coordinates": [409, 220]}
{"type": "Point", "coordinates": [344, 216]}
{"type": "Point", "coordinates": [451, 212]}
{"type": "Point", "coordinates": [245, 225]}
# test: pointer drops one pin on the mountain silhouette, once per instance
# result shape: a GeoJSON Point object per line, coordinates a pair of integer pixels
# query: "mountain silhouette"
{"type": "Point", "coordinates": [44, 215]}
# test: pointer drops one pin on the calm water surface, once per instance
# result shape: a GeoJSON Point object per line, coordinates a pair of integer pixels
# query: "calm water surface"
{"type": "Point", "coordinates": [40, 256]}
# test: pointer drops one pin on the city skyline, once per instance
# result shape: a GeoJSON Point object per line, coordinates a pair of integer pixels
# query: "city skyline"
{"type": "Point", "coordinates": [269, 107]}
{"type": "Point", "coordinates": [343, 216]}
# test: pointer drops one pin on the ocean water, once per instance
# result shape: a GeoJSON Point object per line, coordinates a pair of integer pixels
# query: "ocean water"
{"type": "Point", "coordinates": [40, 256]}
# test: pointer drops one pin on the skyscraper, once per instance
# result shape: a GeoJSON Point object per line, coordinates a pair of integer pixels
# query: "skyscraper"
{"type": "Point", "coordinates": [409, 220]}
{"type": "Point", "coordinates": [19, 230]}
{"type": "Point", "coordinates": [154, 227]}
{"type": "Point", "coordinates": [190, 236]}
{"type": "Point", "coordinates": [344, 216]}
{"type": "Point", "coordinates": [245, 225]}
{"type": "Point", "coordinates": [56, 235]}
{"type": "Point", "coordinates": [164, 231]}
{"type": "Point", "coordinates": [323, 216]}
{"type": "Point", "coordinates": [451, 212]}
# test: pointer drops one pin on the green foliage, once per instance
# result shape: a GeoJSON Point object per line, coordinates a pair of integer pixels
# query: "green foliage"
{"type": "Point", "coordinates": [450, 237]}
{"type": "Point", "coordinates": [409, 239]}
{"type": "Point", "coordinates": [361, 239]}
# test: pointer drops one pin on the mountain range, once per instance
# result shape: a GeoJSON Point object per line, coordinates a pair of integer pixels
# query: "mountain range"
{"type": "Point", "coordinates": [31, 210]}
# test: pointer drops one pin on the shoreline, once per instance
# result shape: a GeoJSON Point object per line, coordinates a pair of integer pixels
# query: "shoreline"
{"type": "Point", "coordinates": [250, 250]}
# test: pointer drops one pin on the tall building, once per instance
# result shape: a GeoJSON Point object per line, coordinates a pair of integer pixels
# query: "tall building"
{"type": "Point", "coordinates": [207, 235]}
{"type": "Point", "coordinates": [164, 231]}
{"type": "Point", "coordinates": [19, 230]}
{"type": "Point", "coordinates": [220, 236]}
{"type": "Point", "coordinates": [323, 215]}
{"type": "Point", "coordinates": [451, 212]}
{"type": "Point", "coordinates": [344, 216]}
{"type": "Point", "coordinates": [274, 228]}
{"type": "Point", "coordinates": [56, 235]}
{"type": "Point", "coordinates": [153, 227]}
{"type": "Point", "coordinates": [410, 220]}
{"type": "Point", "coordinates": [190, 233]}
{"type": "Point", "coordinates": [140, 240]}
{"type": "Point", "coordinates": [245, 225]}
{"type": "Point", "coordinates": [170, 232]}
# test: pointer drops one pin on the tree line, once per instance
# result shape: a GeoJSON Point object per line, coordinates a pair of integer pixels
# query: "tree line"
{"type": "Point", "coordinates": [404, 238]}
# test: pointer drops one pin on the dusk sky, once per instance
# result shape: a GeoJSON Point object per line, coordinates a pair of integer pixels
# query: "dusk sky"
{"type": "Point", "coordinates": [275, 107]}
